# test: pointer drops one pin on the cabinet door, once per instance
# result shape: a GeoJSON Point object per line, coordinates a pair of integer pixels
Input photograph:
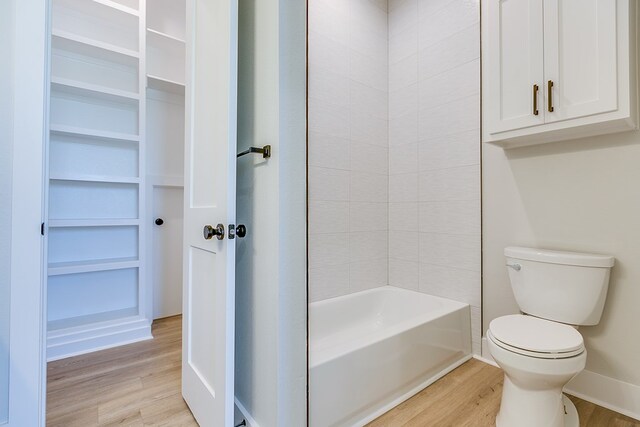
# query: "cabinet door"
{"type": "Point", "coordinates": [580, 58]}
{"type": "Point", "coordinates": [515, 55]}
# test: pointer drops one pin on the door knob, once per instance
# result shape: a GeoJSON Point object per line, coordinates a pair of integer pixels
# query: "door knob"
{"type": "Point", "coordinates": [241, 231]}
{"type": "Point", "coordinates": [210, 231]}
{"type": "Point", "coordinates": [159, 221]}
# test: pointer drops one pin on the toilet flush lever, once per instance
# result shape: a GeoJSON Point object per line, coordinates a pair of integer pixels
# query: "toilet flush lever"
{"type": "Point", "coordinates": [516, 267]}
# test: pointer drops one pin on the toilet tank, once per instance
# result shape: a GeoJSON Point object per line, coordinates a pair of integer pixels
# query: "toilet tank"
{"type": "Point", "coordinates": [566, 287]}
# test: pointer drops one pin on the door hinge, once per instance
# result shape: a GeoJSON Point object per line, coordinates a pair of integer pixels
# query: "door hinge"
{"type": "Point", "coordinates": [42, 229]}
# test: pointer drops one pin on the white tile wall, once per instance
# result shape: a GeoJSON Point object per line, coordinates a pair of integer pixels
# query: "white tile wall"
{"type": "Point", "coordinates": [348, 147]}
{"type": "Point", "coordinates": [394, 148]}
{"type": "Point", "coordinates": [434, 149]}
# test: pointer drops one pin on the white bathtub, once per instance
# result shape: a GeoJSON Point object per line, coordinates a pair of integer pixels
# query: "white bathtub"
{"type": "Point", "coordinates": [371, 350]}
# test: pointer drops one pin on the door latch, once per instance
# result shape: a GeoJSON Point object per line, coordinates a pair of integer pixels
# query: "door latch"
{"type": "Point", "coordinates": [239, 231]}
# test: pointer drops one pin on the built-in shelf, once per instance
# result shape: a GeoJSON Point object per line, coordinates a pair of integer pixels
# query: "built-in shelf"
{"type": "Point", "coordinates": [163, 37]}
{"type": "Point", "coordinates": [95, 178]}
{"type": "Point", "coordinates": [90, 319]}
{"type": "Point", "coordinates": [165, 59]}
{"type": "Point", "coordinates": [93, 133]}
{"type": "Point", "coordinates": [96, 171]}
{"type": "Point", "coordinates": [75, 87]}
{"type": "Point", "coordinates": [107, 9]}
{"type": "Point", "coordinates": [108, 222]}
{"type": "Point", "coordinates": [60, 268]}
{"type": "Point", "coordinates": [119, 6]}
{"type": "Point", "coordinates": [75, 43]}
{"type": "Point", "coordinates": [165, 85]}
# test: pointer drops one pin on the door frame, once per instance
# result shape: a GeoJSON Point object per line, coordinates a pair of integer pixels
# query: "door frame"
{"type": "Point", "coordinates": [27, 356]}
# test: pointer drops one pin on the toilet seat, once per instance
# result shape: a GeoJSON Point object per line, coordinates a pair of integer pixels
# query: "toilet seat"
{"type": "Point", "coordinates": [535, 337]}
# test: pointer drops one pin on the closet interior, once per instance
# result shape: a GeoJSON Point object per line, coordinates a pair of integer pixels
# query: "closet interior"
{"type": "Point", "coordinates": [115, 169]}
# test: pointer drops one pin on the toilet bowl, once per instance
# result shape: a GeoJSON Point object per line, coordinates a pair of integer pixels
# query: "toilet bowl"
{"type": "Point", "coordinates": [540, 351]}
{"type": "Point", "coordinates": [538, 358]}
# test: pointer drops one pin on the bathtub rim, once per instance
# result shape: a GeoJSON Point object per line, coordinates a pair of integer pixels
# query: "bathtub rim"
{"type": "Point", "coordinates": [341, 349]}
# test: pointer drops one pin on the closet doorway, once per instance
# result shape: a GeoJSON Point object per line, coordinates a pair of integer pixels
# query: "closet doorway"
{"type": "Point", "coordinates": [140, 160]}
{"type": "Point", "coordinates": [116, 140]}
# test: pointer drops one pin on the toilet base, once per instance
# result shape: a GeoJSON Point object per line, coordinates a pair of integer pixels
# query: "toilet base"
{"type": "Point", "coordinates": [526, 407]}
{"type": "Point", "coordinates": [571, 418]}
{"type": "Point", "coordinates": [570, 413]}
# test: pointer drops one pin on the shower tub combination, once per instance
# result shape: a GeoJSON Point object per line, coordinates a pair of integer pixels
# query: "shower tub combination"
{"type": "Point", "coordinates": [372, 350]}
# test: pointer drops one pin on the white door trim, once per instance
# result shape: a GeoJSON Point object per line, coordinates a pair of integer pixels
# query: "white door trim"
{"type": "Point", "coordinates": [27, 372]}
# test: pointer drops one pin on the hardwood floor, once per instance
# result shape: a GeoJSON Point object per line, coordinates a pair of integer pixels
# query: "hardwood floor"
{"type": "Point", "coordinates": [139, 385]}
{"type": "Point", "coordinates": [470, 396]}
{"type": "Point", "coordinates": [133, 385]}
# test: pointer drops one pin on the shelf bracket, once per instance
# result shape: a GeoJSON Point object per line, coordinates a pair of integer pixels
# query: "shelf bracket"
{"type": "Point", "coordinates": [265, 151]}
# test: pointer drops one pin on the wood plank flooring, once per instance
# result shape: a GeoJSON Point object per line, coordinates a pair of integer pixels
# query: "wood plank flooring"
{"type": "Point", "coordinates": [139, 385]}
{"type": "Point", "coordinates": [470, 396]}
{"type": "Point", "coordinates": [132, 385]}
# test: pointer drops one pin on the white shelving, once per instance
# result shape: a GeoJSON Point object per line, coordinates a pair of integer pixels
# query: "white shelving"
{"type": "Point", "coordinates": [74, 87]}
{"type": "Point", "coordinates": [119, 6]}
{"type": "Point", "coordinates": [167, 16]}
{"type": "Point", "coordinates": [73, 267]}
{"type": "Point", "coordinates": [63, 223]}
{"type": "Point", "coordinates": [131, 4]}
{"type": "Point", "coordinates": [164, 85]}
{"type": "Point", "coordinates": [95, 178]}
{"type": "Point", "coordinates": [96, 186]}
{"type": "Point", "coordinates": [92, 133]}
{"type": "Point", "coordinates": [105, 55]}
{"type": "Point", "coordinates": [79, 108]}
{"type": "Point", "coordinates": [165, 57]}
{"type": "Point", "coordinates": [155, 36]}
{"type": "Point", "coordinates": [74, 42]}
{"type": "Point", "coordinates": [101, 20]}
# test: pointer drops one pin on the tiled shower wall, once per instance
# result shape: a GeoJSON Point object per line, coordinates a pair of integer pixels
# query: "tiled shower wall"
{"type": "Point", "coordinates": [434, 150]}
{"type": "Point", "coordinates": [394, 148]}
{"type": "Point", "coordinates": [348, 147]}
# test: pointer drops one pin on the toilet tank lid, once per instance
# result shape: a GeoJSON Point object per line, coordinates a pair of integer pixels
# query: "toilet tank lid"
{"type": "Point", "coordinates": [559, 257]}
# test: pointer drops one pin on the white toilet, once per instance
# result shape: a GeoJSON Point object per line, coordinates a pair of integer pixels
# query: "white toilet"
{"type": "Point", "coordinates": [541, 350]}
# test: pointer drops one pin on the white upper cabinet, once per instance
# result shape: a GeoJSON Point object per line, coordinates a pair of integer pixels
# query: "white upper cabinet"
{"type": "Point", "coordinates": [580, 58]}
{"type": "Point", "coordinates": [558, 69]}
{"type": "Point", "coordinates": [515, 57]}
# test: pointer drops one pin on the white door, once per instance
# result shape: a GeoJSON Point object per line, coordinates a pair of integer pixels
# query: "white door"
{"type": "Point", "coordinates": [168, 208]}
{"type": "Point", "coordinates": [580, 58]}
{"type": "Point", "coordinates": [515, 64]}
{"type": "Point", "coordinates": [210, 199]}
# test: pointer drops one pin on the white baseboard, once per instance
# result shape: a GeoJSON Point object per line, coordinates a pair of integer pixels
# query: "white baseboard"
{"type": "Point", "coordinates": [485, 360]}
{"type": "Point", "coordinates": [486, 355]}
{"type": "Point", "coordinates": [607, 392]}
{"type": "Point", "coordinates": [245, 414]}
{"type": "Point", "coordinates": [100, 336]}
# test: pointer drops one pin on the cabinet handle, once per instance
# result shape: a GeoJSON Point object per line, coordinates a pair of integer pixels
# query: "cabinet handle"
{"type": "Point", "coordinates": [550, 95]}
{"type": "Point", "coordinates": [535, 100]}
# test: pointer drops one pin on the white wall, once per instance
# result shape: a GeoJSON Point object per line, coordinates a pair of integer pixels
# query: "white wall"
{"type": "Point", "coordinates": [6, 170]}
{"type": "Point", "coordinates": [581, 195]}
{"type": "Point", "coordinates": [434, 150]}
{"type": "Point", "coordinates": [271, 300]}
{"type": "Point", "coordinates": [348, 147]}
